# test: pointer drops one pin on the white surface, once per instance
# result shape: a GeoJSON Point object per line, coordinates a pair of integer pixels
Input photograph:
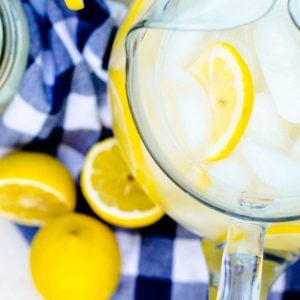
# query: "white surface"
{"type": "Point", "coordinates": [15, 279]}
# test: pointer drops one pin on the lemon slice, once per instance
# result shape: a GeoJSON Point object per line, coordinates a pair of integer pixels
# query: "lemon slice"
{"type": "Point", "coordinates": [34, 188]}
{"type": "Point", "coordinates": [227, 80]}
{"type": "Point", "coordinates": [111, 190]}
{"type": "Point", "coordinates": [74, 4]}
{"type": "Point", "coordinates": [279, 237]}
{"type": "Point", "coordinates": [283, 237]}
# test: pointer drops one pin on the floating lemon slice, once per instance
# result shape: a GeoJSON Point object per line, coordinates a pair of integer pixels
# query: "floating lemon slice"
{"type": "Point", "coordinates": [227, 80]}
{"type": "Point", "coordinates": [74, 4]}
{"type": "Point", "coordinates": [111, 190]}
{"type": "Point", "coordinates": [34, 188]}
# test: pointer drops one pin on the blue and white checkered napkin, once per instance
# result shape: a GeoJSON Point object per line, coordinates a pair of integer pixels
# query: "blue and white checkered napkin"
{"type": "Point", "coordinates": [61, 108]}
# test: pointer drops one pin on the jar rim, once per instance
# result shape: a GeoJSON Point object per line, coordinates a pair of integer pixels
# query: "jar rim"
{"type": "Point", "coordinates": [13, 47]}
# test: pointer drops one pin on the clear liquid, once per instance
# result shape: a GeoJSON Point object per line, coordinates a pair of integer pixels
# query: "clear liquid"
{"type": "Point", "coordinates": [179, 205]}
{"type": "Point", "coordinates": [174, 113]}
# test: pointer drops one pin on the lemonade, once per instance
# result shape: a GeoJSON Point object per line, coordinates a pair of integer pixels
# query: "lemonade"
{"type": "Point", "coordinates": [252, 148]}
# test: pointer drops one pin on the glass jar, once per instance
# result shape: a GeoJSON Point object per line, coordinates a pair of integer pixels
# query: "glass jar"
{"type": "Point", "coordinates": [14, 44]}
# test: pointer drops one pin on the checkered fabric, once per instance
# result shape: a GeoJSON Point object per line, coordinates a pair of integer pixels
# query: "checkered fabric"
{"type": "Point", "coordinates": [61, 108]}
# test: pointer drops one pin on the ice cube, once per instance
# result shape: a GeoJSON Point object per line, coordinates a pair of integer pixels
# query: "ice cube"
{"type": "Point", "coordinates": [265, 123]}
{"type": "Point", "coordinates": [187, 107]}
{"type": "Point", "coordinates": [277, 44]}
{"type": "Point", "coordinates": [273, 167]}
{"type": "Point", "coordinates": [230, 172]}
{"type": "Point", "coordinates": [295, 150]}
{"type": "Point", "coordinates": [242, 39]}
{"type": "Point", "coordinates": [182, 46]}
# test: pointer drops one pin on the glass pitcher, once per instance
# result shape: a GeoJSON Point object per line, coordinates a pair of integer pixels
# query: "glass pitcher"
{"type": "Point", "coordinates": [159, 25]}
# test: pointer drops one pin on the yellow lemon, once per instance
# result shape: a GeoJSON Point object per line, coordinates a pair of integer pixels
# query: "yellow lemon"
{"type": "Point", "coordinates": [225, 76]}
{"type": "Point", "coordinates": [34, 188]}
{"type": "Point", "coordinates": [74, 4]}
{"type": "Point", "coordinates": [279, 237]}
{"type": "Point", "coordinates": [75, 257]}
{"type": "Point", "coordinates": [112, 191]}
{"type": "Point", "coordinates": [283, 237]}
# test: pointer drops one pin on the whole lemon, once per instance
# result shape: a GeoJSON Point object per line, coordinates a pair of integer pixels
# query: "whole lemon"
{"type": "Point", "coordinates": [75, 257]}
